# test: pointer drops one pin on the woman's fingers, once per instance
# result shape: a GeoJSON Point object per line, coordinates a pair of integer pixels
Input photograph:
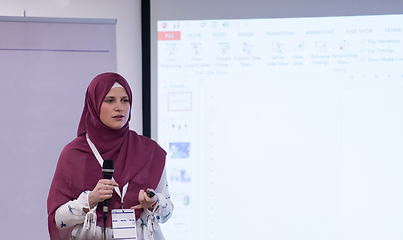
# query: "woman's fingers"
{"type": "Point", "coordinates": [108, 182]}
{"type": "Point", "coordinates": [141, 196]}
{"type": "Point", "coordinates": [136, 207]}
{"type": "Point", "coordinates": [103, 190]}
{"type": "Point", "coordinates": [145, 201]}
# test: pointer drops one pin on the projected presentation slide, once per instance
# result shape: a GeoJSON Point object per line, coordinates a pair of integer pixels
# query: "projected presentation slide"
{"type": "Point", "coordinates": [283, 128]}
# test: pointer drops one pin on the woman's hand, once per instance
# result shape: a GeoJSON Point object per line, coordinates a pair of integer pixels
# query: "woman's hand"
{"type": "Point", "coordinates": [145, 201]}
{"type": "Point", "coordinates": [102, 191]}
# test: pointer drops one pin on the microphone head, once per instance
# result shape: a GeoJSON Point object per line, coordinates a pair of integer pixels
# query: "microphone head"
{"type": "Point", "coordinates": [107, 169]}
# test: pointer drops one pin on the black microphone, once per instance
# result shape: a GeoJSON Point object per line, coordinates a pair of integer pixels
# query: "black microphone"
{"type": "Point", "coordinates": [107, 173]}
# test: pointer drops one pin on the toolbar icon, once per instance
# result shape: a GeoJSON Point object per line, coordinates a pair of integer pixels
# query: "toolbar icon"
{"type": "Point", "coordinates": [247, 48]}
{"type": "Point", "coordinates": [298, 46]}
{"type": "Point", "coordinates": [171, 48]}
{"type": "Point", "coordinates": [224, 47]}
{"type": "Point", "coordinates": [321, 46]}
{"type": "Point", "coordinates": [277, 47]}
{"type": "Point", "coordinates": [196, 48]}
{"type": "Point", "coordinates": [344, 45]}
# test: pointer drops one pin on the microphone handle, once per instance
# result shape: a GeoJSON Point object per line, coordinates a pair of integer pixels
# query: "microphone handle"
{"type": "Point", "coordinates": [105, 208]}
{"type": "Point", "coordinates": [105, 216]}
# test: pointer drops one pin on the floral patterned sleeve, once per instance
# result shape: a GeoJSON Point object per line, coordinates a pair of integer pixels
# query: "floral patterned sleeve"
{"type": "Point", "coordinates": [72, 212]}
{"type": "Point", "coordinates": [149, 228]}
{"type": "Point", "coordinates": [163, 210]}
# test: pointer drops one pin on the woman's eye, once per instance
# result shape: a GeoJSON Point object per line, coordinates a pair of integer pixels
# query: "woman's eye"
{"type": "Point", "coordinates": [126, 100]}
{"type": "Point", "coordinates": [108, 100]}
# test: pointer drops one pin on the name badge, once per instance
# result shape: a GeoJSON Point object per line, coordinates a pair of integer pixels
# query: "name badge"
{"type": "Point", "coordinates": [124, 224]}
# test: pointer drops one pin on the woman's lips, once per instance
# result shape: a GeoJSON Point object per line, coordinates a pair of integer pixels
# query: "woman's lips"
{"type": "Point", "coordinates": [118, 117]}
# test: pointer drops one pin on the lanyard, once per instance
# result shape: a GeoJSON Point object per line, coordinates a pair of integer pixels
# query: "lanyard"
{"type": "Point", "coordinates": [101, 162]}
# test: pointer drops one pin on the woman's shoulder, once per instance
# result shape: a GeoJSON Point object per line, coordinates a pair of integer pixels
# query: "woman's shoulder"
{"type": "Point", "coordinates": [78, 144]}
{"type": "Point", "coordinates": [146, 141]}
{"type": "Point", "coordinates": [72, 155]}
{"type": "Point", "coordinates": [140, 138]}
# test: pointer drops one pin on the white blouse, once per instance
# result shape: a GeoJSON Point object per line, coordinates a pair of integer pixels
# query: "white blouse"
{"type": "Point", "coordinates": [72, 214]}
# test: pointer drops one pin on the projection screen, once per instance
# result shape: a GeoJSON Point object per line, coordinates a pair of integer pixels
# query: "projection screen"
{"type": "Point", "coordinates": [282, 120]}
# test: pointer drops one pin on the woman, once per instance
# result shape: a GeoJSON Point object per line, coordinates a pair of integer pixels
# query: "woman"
{"type": "Point", "coordinates": [75, 201]}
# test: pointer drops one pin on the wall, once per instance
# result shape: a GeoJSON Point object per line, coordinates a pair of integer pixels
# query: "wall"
{"type": "Point", "coordinates": [128, 29]}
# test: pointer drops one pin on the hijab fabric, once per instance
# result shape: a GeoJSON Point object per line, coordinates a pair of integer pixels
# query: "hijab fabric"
{"type": "Point", "coordinates": [138, 160]}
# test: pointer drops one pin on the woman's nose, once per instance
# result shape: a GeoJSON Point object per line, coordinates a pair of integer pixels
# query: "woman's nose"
{"type": "Point", "coordinates": [119, 107]}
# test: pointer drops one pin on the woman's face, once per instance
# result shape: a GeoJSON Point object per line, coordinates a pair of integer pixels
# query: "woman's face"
{"type": "Point", "coordinates": [115, 108]}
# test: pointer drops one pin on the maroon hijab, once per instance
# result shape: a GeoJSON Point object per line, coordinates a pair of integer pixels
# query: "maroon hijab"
{"type": "Point", "coordinates": [138, 160]}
